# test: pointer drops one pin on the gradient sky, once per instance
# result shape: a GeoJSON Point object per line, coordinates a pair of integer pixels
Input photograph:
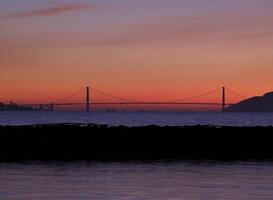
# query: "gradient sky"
{"type": "Point", "coordinates": [139, 49]}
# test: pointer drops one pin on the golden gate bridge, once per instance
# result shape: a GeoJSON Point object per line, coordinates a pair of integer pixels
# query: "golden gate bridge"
{"type": "Point", "coordinates": [88, 103]}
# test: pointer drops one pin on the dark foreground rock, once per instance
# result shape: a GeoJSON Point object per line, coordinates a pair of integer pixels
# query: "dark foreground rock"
{"type": "Point", "coordinates": [74, 142]}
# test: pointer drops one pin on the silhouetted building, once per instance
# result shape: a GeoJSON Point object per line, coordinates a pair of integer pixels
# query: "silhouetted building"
{"type": "Point", "coordinates": [14, 107]}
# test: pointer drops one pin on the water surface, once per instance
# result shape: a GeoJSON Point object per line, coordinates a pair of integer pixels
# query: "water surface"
{"type": "Point", "coordinates": [125, 181]}
{"type": "Point", "coordinates": [138, 118]}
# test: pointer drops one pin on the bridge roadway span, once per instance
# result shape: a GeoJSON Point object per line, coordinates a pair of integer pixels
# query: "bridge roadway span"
{"type": "Point", "coordinates": [131, 103]}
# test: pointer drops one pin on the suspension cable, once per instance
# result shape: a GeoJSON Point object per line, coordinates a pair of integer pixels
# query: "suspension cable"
{"type": "Point", "coordinates": [69, 96]}
{"type": "Point", "coordinates": [197, 96]}
{"type": "Point", "coordinates": [113, 96]}
{"type": "Point", "coordinates": [235, 93]}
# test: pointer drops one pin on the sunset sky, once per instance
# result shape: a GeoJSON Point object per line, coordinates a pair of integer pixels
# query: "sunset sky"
{"type": "Point", "coordinates": [138, 49]}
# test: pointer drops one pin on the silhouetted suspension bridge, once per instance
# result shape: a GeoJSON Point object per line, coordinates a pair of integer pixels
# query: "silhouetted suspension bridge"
{"type": "Point", "coordinates": [88, 103]}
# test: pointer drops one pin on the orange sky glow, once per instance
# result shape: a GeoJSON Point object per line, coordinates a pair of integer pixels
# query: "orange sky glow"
{"type": "Point", "coordinates": [149, 50]}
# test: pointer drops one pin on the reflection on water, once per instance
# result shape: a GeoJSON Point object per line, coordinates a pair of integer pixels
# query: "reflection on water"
{"type": "Point", "coordinates": [123, 181]}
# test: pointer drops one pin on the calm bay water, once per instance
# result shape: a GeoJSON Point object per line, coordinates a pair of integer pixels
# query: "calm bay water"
{"type": "Point", "coordinates": [181, 180]}
{"type": "Point", "coordinates": [125, 181]}
{"type": "Point", "coordinates": [138, 118]}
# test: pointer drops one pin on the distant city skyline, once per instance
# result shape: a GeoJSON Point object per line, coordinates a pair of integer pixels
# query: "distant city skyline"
{"type": "Point", "coordinates": [146, 49]}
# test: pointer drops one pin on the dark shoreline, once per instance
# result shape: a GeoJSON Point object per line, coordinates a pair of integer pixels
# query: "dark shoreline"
{"type": "Point", "coordinates": [70, 142]}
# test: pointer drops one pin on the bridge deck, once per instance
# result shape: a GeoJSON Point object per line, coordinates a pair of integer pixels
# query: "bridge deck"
{"type": "Point", "coordinates": [132, 103]}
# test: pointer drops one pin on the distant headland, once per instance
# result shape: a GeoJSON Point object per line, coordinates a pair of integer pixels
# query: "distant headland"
{"type": "Point", "coordinates": [254, 104]}
{"type": "Point", "coordinates": [14, 107]}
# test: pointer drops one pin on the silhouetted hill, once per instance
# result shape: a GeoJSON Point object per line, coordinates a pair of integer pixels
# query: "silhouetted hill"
{"type": "Point", "coordinates": [254, 104]}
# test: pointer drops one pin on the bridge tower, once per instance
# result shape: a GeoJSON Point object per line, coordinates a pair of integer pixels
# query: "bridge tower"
{"type": "Point", "coordinates": [87, 99]}
{"type": "Point", "coordinates": [223, 99]}
{"type": "Point", "coordinates": [51, 107]}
